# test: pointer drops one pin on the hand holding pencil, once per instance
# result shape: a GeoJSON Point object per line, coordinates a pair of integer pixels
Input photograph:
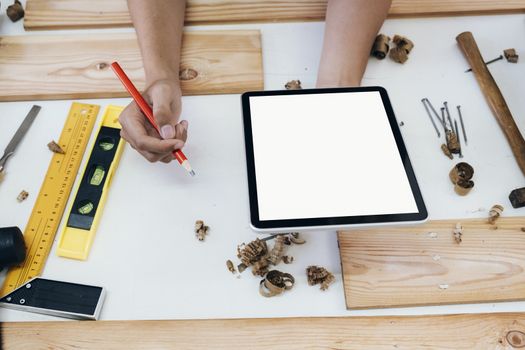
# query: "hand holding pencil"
{"type": "Point", "coordinates": [143, 134]}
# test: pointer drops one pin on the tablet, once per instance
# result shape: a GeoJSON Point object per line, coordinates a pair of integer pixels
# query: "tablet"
{"type": "Point", "coordinates": [327, 158]}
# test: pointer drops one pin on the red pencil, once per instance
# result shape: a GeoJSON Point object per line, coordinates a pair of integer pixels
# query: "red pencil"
{"type": "Point", "coordinates": [148, 112]}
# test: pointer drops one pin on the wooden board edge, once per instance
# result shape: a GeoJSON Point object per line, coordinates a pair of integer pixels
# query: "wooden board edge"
{"type": "Point", "coordinates": [32, 25]}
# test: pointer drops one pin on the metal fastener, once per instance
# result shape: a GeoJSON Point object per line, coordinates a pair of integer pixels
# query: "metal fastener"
{"type": "Point", "coordinates": [488, 62]}
{"type": "Point", "coordinates": [430, 116]}
{"type": "Point", "coordinates": [462, 125]}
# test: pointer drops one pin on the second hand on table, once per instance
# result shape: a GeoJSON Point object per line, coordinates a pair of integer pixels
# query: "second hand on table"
{"type": "Point", "coordinates": [148, 112]}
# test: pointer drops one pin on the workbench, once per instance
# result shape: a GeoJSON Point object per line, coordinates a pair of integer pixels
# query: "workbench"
{"type": "Point", "coordinates": [145, 253]}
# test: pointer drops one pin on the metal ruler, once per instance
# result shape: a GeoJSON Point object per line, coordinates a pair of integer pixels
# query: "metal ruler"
{"type": "Point", "coordinates": [45, 218]}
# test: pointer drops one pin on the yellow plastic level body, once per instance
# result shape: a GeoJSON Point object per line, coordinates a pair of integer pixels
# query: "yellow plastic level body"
{"type": "Point", "coordinates": [76, 243]}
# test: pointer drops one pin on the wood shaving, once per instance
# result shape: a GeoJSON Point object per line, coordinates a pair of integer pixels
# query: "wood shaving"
{"type": "Point", "coordinates": [381, 46]}
{"type": "Point", "coordinates": [403, 47]}
{"type": "Point", "coordinates": [460, 175]}
{"type": "Point", "coordinates": [288, 259]}
{"type": "Point", "coordinates": [398, 55]}
{"type": "Point", "coordinates": [495, 213]}
{"type": "Point", "coordinates": [446, 151]}
{"type": "Point", "coordinates": [15, 12]}
{"type": "Point", "coordinates": [458, 232]}
{"type": "Point", "coordinates": [319, 275]}
{"type": "Point", "coordinates": [275, 283]}
{"type": "Point", "coordinates": [22, 196]}
{"type": "Point", "coordinates": [201, 230]}
{"type": "Point", "coordinates": [2, 175]}
{"type": "Point", "coordinates": [55, 148]}
{"type": "Point", "coordinates": [261, 267]}
{"type": "Point", "coordinates": [293, 85]}
{"type": "Point", "coordinates": [252, 252]}
{"type": "Point", "coordinates": [452, 142]}
{"type": "Point", "coordinates": [230, 266]}
{"type": "Point", "coordinates": [511, 55]}
{"type": "Point", "coordinates": [277, 252]}
{"type": "Point", "coordinates": [403, 43]}
{"type": "Point", "coordinates": [296, 239]}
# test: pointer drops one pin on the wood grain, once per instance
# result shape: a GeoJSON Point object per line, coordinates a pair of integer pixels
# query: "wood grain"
{"type": "Point", "coordinates": [493, 95]}
{"type": "Point", "coordinates": [60, 14]}
{"type": "Point", "coordinates": [77, 66]}
{"type": "Point", "coordinates": [481, 331]}
{"type": "Point", "coordinates": [423, 265]}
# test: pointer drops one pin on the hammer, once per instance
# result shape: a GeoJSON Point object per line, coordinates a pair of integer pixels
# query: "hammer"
{"type": "Point", "coordinates": [493, 95]}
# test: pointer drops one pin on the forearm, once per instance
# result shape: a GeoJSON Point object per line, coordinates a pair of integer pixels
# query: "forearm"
{"type": "Point", "coordinates": [350, 29]}
{"type": "Point", "coordinates": [159, 24]}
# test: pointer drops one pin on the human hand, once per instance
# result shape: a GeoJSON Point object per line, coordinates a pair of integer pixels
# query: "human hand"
{"type": "Point", "coordinates": [165, 97]}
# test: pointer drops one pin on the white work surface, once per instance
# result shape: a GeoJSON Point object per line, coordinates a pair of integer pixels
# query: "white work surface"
{"type": "Point", "coordinates": [145, 252]}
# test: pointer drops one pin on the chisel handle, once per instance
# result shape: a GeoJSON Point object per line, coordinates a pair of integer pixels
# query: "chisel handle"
{"type": "Point", "coordinates": [493, 95]}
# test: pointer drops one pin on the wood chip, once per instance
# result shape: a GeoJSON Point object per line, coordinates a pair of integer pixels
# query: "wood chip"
{"type": "Point", "coordinates": [15, 12]}
{"type": "Point", "coordinates": [398, 55]}
{"type": "Point", "coordinates": [230, 266]}
{"type": "Point", "coordinates": [446, 151]}
{"type": "Point", "coordinates": [22, 196]}
{"type": "Point", "coordinates": [275, 283]}
{"type": "Point", "coordinates": [319, 275]}
{"type": "Point", "coordinates": [288, 259]}
{"type": "Point", "coordinates": [252, 252]}
{"type": "Point", "coordinates": [381, 46]}
{"type": "Point", "coordinates": [511, 55]}
{"type": "Point", "coordinates": [201, 230]}
{"type": "Point", "coordinates": [54, 147]}
{"type": "Point", "coordinates": [403, 43]}
{"type": "Point", "coordinates": [277, 252]}
{"type": "Point", "coordinates": [460, 175]}
{"type": "Point", "coordinates": [293, 85]}
{"type": "Point", "coordinates": [495, 213]}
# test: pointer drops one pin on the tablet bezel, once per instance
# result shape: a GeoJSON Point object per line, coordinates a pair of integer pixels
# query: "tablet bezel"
{"type": "Point", "coordinates": [327, 222]}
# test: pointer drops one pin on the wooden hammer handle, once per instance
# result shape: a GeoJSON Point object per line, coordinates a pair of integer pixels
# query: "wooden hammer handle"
{"type": "Point", "coordinates": [494, 97]}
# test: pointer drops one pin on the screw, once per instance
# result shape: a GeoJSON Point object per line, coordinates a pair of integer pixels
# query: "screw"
{"type": "Point", "coordinates": [488, 62]}
{"type": "Point", "coordinates": [430, 116]}
{"type": "Point", "coordinates": [8, 299]}
{"type": "Point", "coordinates": [22, 301]}
{"type": "Point", "coordinates": [28, 285]}
{"type": "Point", "coordinates": [462, 125]}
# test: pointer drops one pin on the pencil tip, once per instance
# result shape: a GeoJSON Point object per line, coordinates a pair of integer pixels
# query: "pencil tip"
{"type": "Point", "coordinates": [192, 173]}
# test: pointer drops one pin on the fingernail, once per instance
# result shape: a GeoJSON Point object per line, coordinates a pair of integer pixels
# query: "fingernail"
{"type": "Point", "coordinates": [167, 131]}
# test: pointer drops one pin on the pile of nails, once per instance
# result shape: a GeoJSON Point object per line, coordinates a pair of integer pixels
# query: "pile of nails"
{"type": "Point", "coordinates": [453, 144]}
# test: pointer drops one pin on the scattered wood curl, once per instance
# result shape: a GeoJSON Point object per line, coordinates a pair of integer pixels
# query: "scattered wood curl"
{"type": "Point", "coordinates": [446, 151]}
{"type": "Point", "coordinates": [461, 175]}
{"type": "Point", "coordinates": [293, 85]}
{"type": "Point", "coordinates": [319, 275]}
{"type": "Point", "coordinates": [403, 43]}
{"type": "Point", "coordinates": [452, 142]}
{"type": "Point", "coordinates": [230, 266]}
{"type": "Point", "coordinates": [22, 196]}
{"type": "Point", "coordinates": [275, 283]}
{"type": "Point", "coordinates": [494, 213]}
{"type": "Point", "coordinates": [511, 55]}
{"type": "Point", "coordinates": [16, 11]}
{"type": "Point", "coordinates": [381, 46]}
{"type": "Point", "coordinates": [201, 230]}
{"type": "Point", "coordinates": [277, 252]}
{"type": "Point", "coordinates": [252, 252]}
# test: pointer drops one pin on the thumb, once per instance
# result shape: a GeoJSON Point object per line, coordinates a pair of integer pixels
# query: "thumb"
{"type": "Point", "coordinates": [164, 116]}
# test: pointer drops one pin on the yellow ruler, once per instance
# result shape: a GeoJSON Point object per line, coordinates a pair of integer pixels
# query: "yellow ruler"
{"type": "Point", "coordinates": [43, 223]}
{"type": "Point", "coordinates": [91, 192]}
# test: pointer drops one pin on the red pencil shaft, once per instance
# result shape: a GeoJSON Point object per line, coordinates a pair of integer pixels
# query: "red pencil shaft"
{"type": "Point", "coordinates": [142, 103]}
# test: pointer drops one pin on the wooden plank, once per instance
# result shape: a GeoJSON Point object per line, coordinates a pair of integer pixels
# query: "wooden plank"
{"type": "Point", "coordinates": [423, 265]}
{"type": "Point", "coordinates": [77, 66]}
{"type": "Point", "coordinates": [60, 14]}
{"type": "Point", "coordinates": [481, 331]}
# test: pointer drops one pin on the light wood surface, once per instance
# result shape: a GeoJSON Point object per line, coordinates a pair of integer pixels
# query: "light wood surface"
{"type": "Point", "coordinates": [77, 66]}
{"type": "Point", "coordinates": [475, 331]}
{"type": "Point", "coordinates": [55, 14]}
{"type": "Point", "coordinates": [492, 93]}
{"type": "Point", "coordinates": [423, 265]}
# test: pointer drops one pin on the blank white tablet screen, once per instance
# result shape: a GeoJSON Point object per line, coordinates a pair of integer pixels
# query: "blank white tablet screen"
{"type": "Point", "coordinates": [326, 155]}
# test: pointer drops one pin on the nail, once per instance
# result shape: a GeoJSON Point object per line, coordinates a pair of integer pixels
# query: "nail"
{"type": "Point", "coordinates": [167, 131]}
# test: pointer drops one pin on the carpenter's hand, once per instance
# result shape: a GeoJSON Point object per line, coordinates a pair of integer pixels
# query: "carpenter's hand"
{"type": "Point", "coordinates": [165, 97]}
